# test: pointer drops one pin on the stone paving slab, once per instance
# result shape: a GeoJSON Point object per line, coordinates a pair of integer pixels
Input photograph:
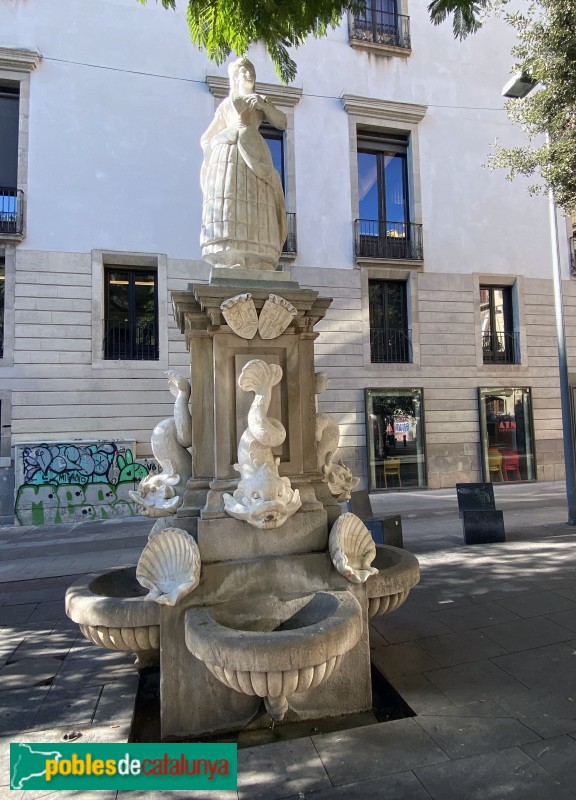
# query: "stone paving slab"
{"type": "Point", "coordinates": [402, 786]}
{"type": "Point", "coordinates": [544, 669]}
{"type": "Point", "coordinates": [276, 770]}
{"type": "Point", "coordinates": [458, 648]}
{"type": "Point", "coordinates": [509, 774]}
{"type": "Point", "coordinates": [463, 737]}
{"type": "Point", "coordinates": [527, 634]}
{"type": "Point", "coordinates": [376, 750]}
{"type": "Point", "coordinates": [557, 756]}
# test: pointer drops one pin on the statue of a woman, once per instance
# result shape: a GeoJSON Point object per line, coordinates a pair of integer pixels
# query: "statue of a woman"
{"type": "Point", "coordinates": [244, 213]}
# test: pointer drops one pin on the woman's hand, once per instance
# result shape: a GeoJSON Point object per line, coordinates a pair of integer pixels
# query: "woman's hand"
{"type": "Point", "coordinates": [256, 101]}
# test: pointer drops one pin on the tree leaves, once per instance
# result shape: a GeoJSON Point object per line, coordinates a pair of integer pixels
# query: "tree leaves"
{"type": "Point", "coordinates": [466, 14]}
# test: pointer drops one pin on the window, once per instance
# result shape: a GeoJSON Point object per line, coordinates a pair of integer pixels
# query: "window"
{"type": "Point", "coordinates": [395, 438]}
{"type": "Point", "coordinates": [130, 326]}
{"type": "Point", "coordinates": [16, 64]}
{"type": "Point", "coordinates": [507, 434]}
{"type": "Point", "coordinates": [499, 340]}
{"type": "Point", "coordinates": [390, 337]}
{"type": "Point", "coordinates": [380, 24]}
{"type": "Point", "coordinates": [10, 198]}
{"type": "Point", "coordinates": [383, 229]}
{"type": "Point", "coordinates": [276, 142]}
{"type": "Point", "coordinates": [2, 285]}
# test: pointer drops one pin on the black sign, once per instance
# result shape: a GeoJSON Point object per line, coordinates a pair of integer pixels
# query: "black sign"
{"type": "Point", "coordinates": [475, 497]}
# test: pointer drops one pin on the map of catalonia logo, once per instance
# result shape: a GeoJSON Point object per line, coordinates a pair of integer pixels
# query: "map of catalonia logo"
{"type": "Point", "coordinates": [75, 766]}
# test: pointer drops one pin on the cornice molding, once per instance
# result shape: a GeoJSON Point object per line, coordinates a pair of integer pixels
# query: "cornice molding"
{"type": "Point", "coordinates": [383, 110]}
{"type": "Point", "coordinates": [279, 95]}
{"type": "Point", "coordinates": [16, 59]}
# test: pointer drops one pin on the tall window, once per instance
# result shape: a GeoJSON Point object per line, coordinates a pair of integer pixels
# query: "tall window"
{"type": "Point", "coordinates": [384, 229]}
{"type": "Point", "coordinates": [380, 23]}
{"type": "Point", "coordinates": [395, 438]}
{"type": "Point", "coordinates": [390, 339]}
{"type": "Point", "coordinates": [2, 284]}
{"type": "Point", "coordinates": [10, 212]}
{"type": "Point", "coordinates": [131, 314]}
{"type": "Point", "coordinates": [507, 434]}
{"type": "Point", "coordinates": [499, 341]}
{"type": "Point", "coordinates": [276, 142]}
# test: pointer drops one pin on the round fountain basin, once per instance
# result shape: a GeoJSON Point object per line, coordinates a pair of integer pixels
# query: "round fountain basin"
{"type": "Point", "coordinates": [111, 611]}
{"type": "Point", "coordinates": [271, 646]}
{"type": "Point", "coordinates": [399, 572]}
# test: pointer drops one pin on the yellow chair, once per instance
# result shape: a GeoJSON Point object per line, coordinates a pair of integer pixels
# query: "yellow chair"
{"type": "Point", "coordinates": [495, 462]}
{"type": "Point", "coordinates": [392, 468]}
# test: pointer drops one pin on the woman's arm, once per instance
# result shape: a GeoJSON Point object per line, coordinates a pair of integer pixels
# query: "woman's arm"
{"type": "Point", "coordinates": [272, 114]}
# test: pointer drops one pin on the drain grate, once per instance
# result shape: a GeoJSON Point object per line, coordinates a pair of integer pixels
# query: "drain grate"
{"type": "Point", "coordinates": [387, 705]}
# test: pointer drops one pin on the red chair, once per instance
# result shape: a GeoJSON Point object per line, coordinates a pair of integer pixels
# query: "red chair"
{"type": "Point", "coordinates": [511, 464]}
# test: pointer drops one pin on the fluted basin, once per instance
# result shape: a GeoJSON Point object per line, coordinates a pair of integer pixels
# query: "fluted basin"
{"type": "Point", "coordinates": [274, 647]}
{"type": "Point", "coordinates": [111, 611]}
{"type": "Point", "coordinates": [398, 573]}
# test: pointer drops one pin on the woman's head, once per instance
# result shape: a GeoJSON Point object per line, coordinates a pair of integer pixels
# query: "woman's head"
{"type": "Point", "coordinates": [242, 76]}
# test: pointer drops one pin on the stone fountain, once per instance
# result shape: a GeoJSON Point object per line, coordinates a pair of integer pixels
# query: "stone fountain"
{"type": "Point", "coordinates": [254, 591]}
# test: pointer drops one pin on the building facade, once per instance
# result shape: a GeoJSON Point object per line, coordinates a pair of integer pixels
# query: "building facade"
{"type": "Point", "coordinates": [440, 343]}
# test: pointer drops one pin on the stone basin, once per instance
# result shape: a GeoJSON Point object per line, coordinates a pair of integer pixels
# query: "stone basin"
{"type": "Point", "coordinates": [399, 572]}
{"type": "Point", "coordinates": [274, 647]}
{"type": "Point", "coordinates": [111, 611]}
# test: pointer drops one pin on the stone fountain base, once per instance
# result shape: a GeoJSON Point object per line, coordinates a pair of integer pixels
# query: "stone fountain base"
{"type": "Point", "coordinates": [274, 626]}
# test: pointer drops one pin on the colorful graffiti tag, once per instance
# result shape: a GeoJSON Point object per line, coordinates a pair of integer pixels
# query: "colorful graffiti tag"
{"type": "Point", "coordinates": [59, 482]}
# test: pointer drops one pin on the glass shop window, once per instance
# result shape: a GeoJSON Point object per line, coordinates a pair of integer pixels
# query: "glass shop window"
{"type": "Point", "coordinates": [395, 438]}
{"type": "Point", "coordinates": [506, 432]}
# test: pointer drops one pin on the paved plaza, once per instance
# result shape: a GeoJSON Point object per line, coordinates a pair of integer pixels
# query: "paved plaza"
{"type": "Point", "coordinates": [483, 652]}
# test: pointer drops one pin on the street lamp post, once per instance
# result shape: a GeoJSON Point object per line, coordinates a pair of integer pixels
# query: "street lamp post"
{"type": "Point", "coordinates": [520, 86]}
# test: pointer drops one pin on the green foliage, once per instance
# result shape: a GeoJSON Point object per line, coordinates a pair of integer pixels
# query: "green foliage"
{"type": "Point", "coordinates": [546, 51]}
{"type": "Point", "coordinates": [466, 14]}
{"type": "Point", "coordinates": [225, 26]}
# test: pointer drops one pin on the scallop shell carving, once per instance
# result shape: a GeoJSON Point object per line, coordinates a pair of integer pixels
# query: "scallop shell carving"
{"type": "Point", "coordinates": [240, 314]}
{"type": "Point", "coordinates": [275, 317]}
{"type": "Point", "coordinates": [352, 548]}
{"type": "Point", "coordinates": [169, 566]}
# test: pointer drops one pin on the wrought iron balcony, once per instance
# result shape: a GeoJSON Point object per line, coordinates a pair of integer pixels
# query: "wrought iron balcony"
{"type": "Point", "coordinates": [11, 211]}
{"type": "Point", "coordinates": [381, 27]}
{"type": "Point", "coordinates": [383, 239]}
{"type": "Point", "coordinates": [130, 341]}
{"type": "Point", "coordinates": [290, 247]}
{"type": "Point", "coordinates": [500, 348]}
{"type": "Point", "coordinates": [390, 345]}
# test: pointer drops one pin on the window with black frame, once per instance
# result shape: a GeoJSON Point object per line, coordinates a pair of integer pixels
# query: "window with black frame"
{"type": "Point", "coordinates": [499, 340]}
{"type": "Point", "coordinates": [275, 140]}
{"type": "Point", "coordinates": [2, 285]}
{"type": "Point", "coordinates": [384, 230]}
{"type": "Point", "coordinates": [507, 434]}
{"type": "Point", "coordinates": [390, 337]}
{"type": "Point", "coordinates": [381, 23]}
{"type": "Point", "coordinates": [131, 314]}
{"type": "Point", "coordinates": [395, 438]}
{"type": "Point", "coordinates": [10, 201]}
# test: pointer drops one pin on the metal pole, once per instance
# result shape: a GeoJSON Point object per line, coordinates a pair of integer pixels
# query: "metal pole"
{"type": "Point", "coordinates": [565, 400]}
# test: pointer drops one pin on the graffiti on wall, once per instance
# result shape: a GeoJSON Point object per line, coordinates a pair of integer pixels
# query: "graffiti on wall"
{"type": "Point", "coordinates": [59, 482]}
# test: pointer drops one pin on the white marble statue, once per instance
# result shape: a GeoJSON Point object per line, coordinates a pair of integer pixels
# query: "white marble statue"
{"type": "Point", "coordinates": [338, 476]}
{"type": "Point", "coordinates": [352, 548]}
{"type": "Point", "coordinates": [263, 498]}
{"type": "Point", "coordinates": [160, 495]}
{"type": "Point", "coordinates": [169, 566]}
{"type": "Point", "coordinates": [244, 212]}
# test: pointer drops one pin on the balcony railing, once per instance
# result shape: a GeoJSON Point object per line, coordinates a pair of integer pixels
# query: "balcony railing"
{"type": "Point", "coordinates": [290, 245]}
{"type": "Point", "coordinates": [130, 341]}
{"type": "Point", "coordinates": [500, 348]}
{"type": "Point", "coordinates": [381, 27]}
{"type": "Point", "coordinates": [11, 211]}
{"type": "Point", "coordinates": [390, 345]}
{"type": "Point", "coordinates": [383, 239]}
